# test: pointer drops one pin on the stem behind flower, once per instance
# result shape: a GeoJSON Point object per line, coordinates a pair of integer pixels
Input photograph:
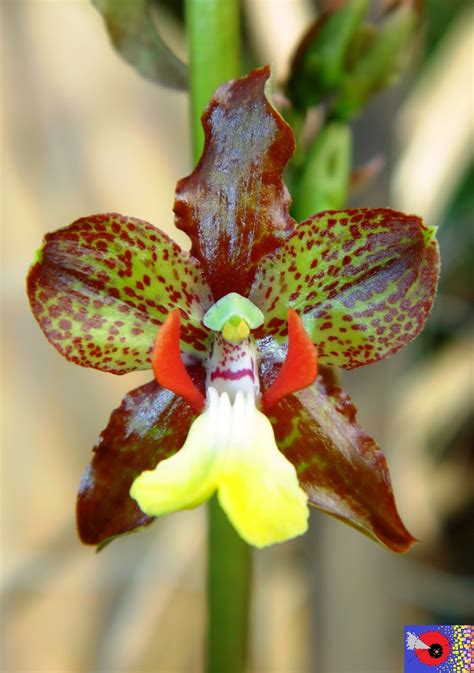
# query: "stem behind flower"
{"type": "Point", "coordinates": [213, 46]}
{"type": "Point", "coordinates": [213, 38]}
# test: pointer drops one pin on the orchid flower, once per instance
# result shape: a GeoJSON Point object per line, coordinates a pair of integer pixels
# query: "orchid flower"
{"type": "Point", "coordinates": [234, 332]}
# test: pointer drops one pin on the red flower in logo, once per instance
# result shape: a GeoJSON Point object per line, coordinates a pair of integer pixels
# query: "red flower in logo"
{"type": "Point", "coordinates": [437, 651]}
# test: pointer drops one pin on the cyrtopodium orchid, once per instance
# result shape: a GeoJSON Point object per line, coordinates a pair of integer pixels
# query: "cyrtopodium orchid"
{"type": "Point", "coordinates": [234, 332]}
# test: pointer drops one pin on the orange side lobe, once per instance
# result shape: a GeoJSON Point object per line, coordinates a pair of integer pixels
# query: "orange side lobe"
{"type": "Point", "coordinates": [168, 366]}
{"type": "Point", "coordinates": [300, 367]}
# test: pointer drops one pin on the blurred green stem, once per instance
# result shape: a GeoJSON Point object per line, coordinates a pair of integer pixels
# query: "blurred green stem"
{"type": "Point", "coordinates": [228, 595]}
{"type": "Point", "coordinates": [213, 38]}
{"type": "Point", "coordinates": [322, 181]}
{"type": "Point", "coordinates": [213, 47]}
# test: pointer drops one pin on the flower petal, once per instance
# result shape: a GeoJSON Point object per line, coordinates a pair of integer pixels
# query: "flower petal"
{"type": "Point", "coordinates": [231, 448]}
{"type": "Point", "coordinates": [363, 282]}
{"type": "Point", "coordinates": [258, 486]}
{"type": "Point", "coordinates": [234, 206]}
{"type": "Point", "coordinates": [150, 424]}
{"type": "Point", "coordinates": [168, 366]}
{"type": "Point", "coordinates": [300, 367]}
{"type": "Point", "coordinates": [186, 479]}
{"type": "Point", "coordinates": [189, 477]}
{"type": "Point", "coordinates": [340, 467]}
{"type": "Point", "coordinates": [101, 287]}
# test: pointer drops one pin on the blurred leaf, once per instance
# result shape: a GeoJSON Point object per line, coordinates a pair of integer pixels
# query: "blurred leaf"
{"type": "Point", "coordinates": [319, 63]}
{"type": "Point", "coordinates": [133, 34]}
{"type": "Point", "coordinates": [323, 182]}
{"type": "Point", "coordinates": [362, 176]}
{"type": "Point", "coordinates": [379, 60]}
{"type": "Point", "coordinates": [417, 5]}
{"type": "Point", "coordinates": [342, 58]}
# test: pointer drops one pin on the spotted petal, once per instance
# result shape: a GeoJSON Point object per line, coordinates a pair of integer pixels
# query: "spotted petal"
{"type": "Point", "coordinates": [151, 424]}
{"type": "Point", "coordinates": [341, 468]}
{"type": "Point", "coordinates": [363, 281]}
{"type": "Point", "coordinates": [234, 206]}
{"type": "Point", "coordinates": [101, 288]}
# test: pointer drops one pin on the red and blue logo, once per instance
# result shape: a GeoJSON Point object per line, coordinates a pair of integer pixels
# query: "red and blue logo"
{"type": "Point", "coordinates": [439, 649]}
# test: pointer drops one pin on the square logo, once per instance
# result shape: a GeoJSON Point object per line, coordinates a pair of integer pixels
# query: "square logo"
{"type": "Point", "coordinates": [439, 648]}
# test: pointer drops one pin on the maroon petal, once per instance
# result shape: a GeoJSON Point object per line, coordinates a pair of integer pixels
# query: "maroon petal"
{"type": "Point", "coordinates": [151, 424]}
{"type": "Point", "coordinates": [234, 206]}
{"type": "Point", "coordinates": [341, 468]}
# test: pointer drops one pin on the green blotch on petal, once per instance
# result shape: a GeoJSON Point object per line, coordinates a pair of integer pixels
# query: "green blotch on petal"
{"type": "Point", "coordinates": [38, 257]}
{"type": "Point", "coordinates": [429, 234]}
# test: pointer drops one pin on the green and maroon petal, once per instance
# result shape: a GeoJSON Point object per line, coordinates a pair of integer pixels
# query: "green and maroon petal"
{"type": "Point", "coordinates": [234, 206]}
{"type": "Point", "coordinates": [363, 281]}
{"type": "Point", "coordinates": [101, 288]}
{"type": "Point", "coordinates": [151, 424]}
{"type": "Point", "coordinates": [340, 467]}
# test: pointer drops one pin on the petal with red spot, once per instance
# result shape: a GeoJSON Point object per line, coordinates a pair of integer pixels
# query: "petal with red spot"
{"type": "Point", "coordinates": [101, 287]}
{"type": "Point", "coordinates": [363, 282]}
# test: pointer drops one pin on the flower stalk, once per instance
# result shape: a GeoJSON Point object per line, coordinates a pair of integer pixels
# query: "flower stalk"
{"type": "Point", "coordinates": [212, 28]}
{"type": "Point", "coordinates": [212, 61]}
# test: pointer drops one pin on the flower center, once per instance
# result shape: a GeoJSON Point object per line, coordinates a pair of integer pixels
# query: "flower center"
{"type": "Point", "coordinates": [232, 365]}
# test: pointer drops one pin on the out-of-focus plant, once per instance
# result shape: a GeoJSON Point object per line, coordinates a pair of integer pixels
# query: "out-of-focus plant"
{"type": "Point", "coordinates": [340, 64]}
{"type": "Point", "coordinates": [234, 331]}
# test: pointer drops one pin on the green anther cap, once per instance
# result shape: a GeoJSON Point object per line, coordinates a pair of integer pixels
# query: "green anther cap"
{"type": "Point", "coordinates": [230, 307]}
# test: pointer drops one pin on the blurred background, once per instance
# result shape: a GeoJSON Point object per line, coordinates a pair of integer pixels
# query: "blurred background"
{"type": "Point", "coordinates": [83, 133]}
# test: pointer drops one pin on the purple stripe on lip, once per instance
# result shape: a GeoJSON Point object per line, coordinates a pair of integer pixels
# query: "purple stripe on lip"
{"type": "Point", "coordinates": [229, 375]}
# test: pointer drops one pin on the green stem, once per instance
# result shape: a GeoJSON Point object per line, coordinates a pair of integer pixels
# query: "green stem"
{"type": "Point", "coordinates": [228, 594]}
{"type": "Point", "coordinates": [213, 43]}
{"type": "Point", "coordinates": [213, 37]}
{"type": "Point", "coordinates": [322, 181]}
